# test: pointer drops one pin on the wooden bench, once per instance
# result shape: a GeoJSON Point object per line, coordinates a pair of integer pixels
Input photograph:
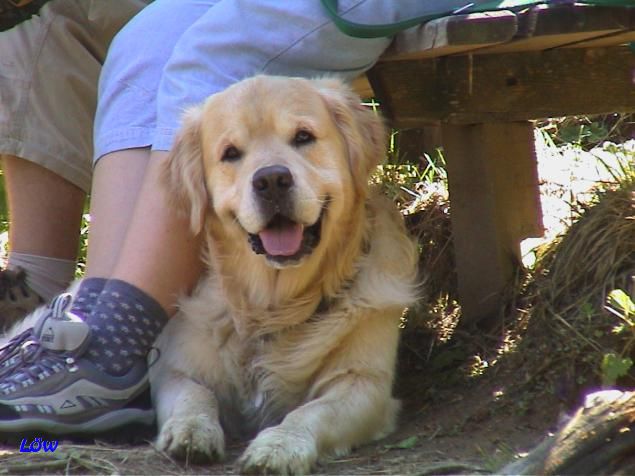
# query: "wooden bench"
{"type": "Point", "coordinates": [483, 77]}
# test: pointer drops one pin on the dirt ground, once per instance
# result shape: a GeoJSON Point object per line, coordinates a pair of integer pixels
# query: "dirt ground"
{"type": "Point", "coordinates": [450, 424]}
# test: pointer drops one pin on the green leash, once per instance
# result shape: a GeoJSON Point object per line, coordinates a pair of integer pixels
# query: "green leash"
{"type": "Point", "coordinates": [359, 30]}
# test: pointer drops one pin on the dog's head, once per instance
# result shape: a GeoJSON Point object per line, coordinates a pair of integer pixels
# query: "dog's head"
{"type": "Point", "coordinates": [277, 161]}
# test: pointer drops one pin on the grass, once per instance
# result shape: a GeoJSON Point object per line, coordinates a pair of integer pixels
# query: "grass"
{"type": "Point", "coordinates": [568, 326]}
{"type": "Point", "coordinates": [89, 459]}
{"type": "Point", "coordinates": [570, 322]}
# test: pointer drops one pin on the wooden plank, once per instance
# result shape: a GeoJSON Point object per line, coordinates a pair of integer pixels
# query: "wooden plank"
{"type": "Point", "coordinates": [552, 26]}
{"type": "Point", "coordinates": [412, 144]}
{"type": "Point", "coordinates": [494, 204]}
{"type": "Point", "coordinates": [620, 38]}
{"type": "Point", "coordinates": [452, 35]}
{"type": "Point", "coordinates": [536, 29]}
{"type": "Point", "coordinates": [506, 87]}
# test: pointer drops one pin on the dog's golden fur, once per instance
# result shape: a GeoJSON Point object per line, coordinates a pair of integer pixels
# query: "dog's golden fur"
{"type": "Point", "coordinates": [300, 352]}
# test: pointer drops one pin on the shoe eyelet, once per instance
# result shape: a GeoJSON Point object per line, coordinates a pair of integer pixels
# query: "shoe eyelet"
{"type": "Point", "coordinates": [71, 363]}
{"type": "Point", "coordinates": [26, 354]}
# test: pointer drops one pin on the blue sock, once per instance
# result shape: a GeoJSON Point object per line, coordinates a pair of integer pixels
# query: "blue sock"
{"type": "Point", "coordinates": [124, 323]}
{"type": "Point", "coordinates": [86, 296]}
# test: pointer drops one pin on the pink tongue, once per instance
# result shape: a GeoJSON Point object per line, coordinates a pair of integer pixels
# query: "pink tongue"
{"type": "Point", "coordinates": [285, 241]}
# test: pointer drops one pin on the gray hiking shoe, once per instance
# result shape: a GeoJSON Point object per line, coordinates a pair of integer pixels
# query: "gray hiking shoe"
{"type": "Point", "coordinates": [54, 390]}
{"type": "Point", "coordinates": [17, 299]}
{"type": "Point", "coordinates": [11, 354]}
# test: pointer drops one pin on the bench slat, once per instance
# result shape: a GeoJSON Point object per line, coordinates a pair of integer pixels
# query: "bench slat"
{"type": "Point", "coordinates": [553, 26]}
{"type": "Point", "coordinates": [538, 28]}
{"type": "Point", "coordinates": [506, 87]}
{"type": "Point", "coordinates": [452, 35]}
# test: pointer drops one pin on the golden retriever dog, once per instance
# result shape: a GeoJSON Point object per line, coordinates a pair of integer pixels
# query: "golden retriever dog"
{"type": "Point", "coordinates": [292, 334]}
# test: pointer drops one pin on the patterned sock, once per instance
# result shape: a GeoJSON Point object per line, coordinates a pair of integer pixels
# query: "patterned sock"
{"type": "Point", "coordinates": [124, 322]}
{"type": "Point", "coordinates": [86, 296]}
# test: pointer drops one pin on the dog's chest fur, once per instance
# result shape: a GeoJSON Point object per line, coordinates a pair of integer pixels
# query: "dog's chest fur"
{"type": "Point", "coordinates": [257, 379]}
{"type": "Point", "coordinates": [262, 363]}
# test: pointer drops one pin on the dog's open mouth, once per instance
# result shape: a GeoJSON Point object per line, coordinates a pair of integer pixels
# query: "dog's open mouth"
{"type": "Point", "coordinates": [285, 241]}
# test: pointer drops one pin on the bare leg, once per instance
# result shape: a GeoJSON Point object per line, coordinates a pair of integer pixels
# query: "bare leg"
{"type": "Point", "coordinates": [45, 210]}
{"type": "Point", "coordinates": [149, 247]}
{"type": "Point", "coordinates": [159, 256]}
{"type": "Point", "coordinates": [116, 182]}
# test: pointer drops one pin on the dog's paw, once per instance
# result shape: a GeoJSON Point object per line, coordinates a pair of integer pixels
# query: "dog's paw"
{"type": "Point", "coordinates": [196, 439]}
{"type": "Point", "coordinates": [279, 451]}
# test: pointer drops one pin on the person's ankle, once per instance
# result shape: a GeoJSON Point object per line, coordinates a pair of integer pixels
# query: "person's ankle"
{"type": "Point", "coordinates": [87, 295]}
{"type": "Point", "coordinates": [124, 324]}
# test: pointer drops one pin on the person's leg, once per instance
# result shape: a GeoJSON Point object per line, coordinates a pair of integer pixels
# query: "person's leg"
{"type": "Point", "coordinates": [45, 212]}
{"type": "Point", "coordinates": [46, 111]}
{"type": "Point", "coordinates": [127, 249]}
{"type": "Point", "coordinates": [127, 242]}
{"type": "Point", "coordinates": [155, 234]}
{"type": "Point", "coordinates": [117, 180]}
{"type": "Point", "coordinates": [157, 256]}
{"type": "Point", "coordinates": [39, 199]}
{"type": "Point", "coordinates": [160, 255]}
{"type": "Point", "coordinates": [46, 162]}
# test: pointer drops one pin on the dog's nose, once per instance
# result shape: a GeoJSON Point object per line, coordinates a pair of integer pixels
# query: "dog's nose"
{"type": "Point", "coordinates": [272, 182]}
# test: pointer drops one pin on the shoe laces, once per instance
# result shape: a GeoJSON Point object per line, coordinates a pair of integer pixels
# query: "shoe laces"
{"type": "Point", "coordinates": [11, 351]}
{"type": "Point", "coordinates": [23, 360]}
{"type": "Point", "coordinates": [35, 363]}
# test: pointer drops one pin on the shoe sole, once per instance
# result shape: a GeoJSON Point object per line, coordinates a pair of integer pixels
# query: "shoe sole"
{"type": "Point", "coordinates": [135, 420]}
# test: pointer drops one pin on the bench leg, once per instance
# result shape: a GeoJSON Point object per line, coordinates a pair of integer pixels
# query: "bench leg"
{"type": "Point", "coordinates": [494, 205]}
{"type": "Point", "coordinates": [413, 143]}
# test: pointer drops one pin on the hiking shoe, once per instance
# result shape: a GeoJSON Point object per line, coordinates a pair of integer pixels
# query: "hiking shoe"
{"type": "Point", "coordinates": [54, 390]}
{"type": "Point", "coordinates": [17, 299]}
{"type": "Point", "coordinates": [11, 353]}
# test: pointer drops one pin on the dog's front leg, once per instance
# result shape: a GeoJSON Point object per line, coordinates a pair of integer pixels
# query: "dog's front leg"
{"type": "Point", "coordinates": [349, 403]}
{"type": "Point", "coordinates": [187, 414]}
{"type": "Point", "coordinates": [355, 409]}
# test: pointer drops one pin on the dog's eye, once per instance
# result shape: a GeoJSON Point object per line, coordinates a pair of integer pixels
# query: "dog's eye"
{"type": "Point", "coordinates": [303, 137]}
{"type": "Point", "coordinates": [231, 154]}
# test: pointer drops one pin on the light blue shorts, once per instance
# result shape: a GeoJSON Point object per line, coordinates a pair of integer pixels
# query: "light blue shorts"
{"type": "Point", "coordinates": [175, 53]}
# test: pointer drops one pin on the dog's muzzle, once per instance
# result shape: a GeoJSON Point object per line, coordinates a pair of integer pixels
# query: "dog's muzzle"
{"type": "Point", "coordinates": [283, 240]}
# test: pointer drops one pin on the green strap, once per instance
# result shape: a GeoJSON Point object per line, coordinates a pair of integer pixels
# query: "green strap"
{"type": "Point", "coordinates": [359, 30]}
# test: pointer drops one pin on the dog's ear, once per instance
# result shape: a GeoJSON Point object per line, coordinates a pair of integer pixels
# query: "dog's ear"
{"type": "Point", "coordinates": [362, 128]}
{"type": "Point", "coordinates": [184, 175]}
